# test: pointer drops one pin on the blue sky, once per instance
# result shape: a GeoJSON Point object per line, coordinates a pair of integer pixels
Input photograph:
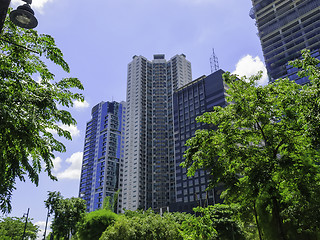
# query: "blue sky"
{"type": "Point", "coordinates": [99, 38]}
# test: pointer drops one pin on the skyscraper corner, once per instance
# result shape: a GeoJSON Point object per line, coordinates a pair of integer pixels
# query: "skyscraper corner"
{"type": "Point", "coordinates": [285, 27]}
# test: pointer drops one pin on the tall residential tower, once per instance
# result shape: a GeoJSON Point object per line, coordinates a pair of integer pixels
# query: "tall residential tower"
{"type": "Point", "coordinates": [102, 155]}
{"type": "Point", "coordinates": [285, 28]}
{"type": "Point", "coordinates": [149, 166]}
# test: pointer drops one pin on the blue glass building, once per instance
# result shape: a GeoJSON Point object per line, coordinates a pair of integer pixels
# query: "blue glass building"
{"type": "Point", "coordinates": [286, 27]}
{"type": "Point", "coordinates": [102, 155]}
{"type": "Point", "coordinates": [190, 101]}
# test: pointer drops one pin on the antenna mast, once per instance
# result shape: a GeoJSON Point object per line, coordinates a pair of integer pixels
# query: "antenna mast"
{"type": "Point", "coordinates": [214, 62]}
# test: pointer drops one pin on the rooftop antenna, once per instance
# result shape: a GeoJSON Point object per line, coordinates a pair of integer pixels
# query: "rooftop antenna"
{"type": "Point", "coordinates": [214, 62]}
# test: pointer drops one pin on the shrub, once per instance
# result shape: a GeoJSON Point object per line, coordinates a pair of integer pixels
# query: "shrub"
{"type": "Point", "coordinates": [149, 226]}
{"type": "Point", "coordinates": [95, 223]}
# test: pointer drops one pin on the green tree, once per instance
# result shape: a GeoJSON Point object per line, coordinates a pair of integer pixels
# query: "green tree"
{"type": "Point", "coordinates": [12, 228]}
{"type": "Point", "coordinates": [95, 223]}
{"type": "Point", "coordinates": [68, 212]}
{"type": "Point", "coordinates": [265, 150]}
{"type": "Point", "coordinates": [29, 109]}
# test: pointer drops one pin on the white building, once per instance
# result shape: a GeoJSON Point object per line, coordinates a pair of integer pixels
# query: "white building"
{"type": "Point", "coordinates": [148, 172]}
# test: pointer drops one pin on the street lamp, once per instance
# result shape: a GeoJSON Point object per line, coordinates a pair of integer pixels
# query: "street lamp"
{"type": "Point", "coordinates": [24, 16]}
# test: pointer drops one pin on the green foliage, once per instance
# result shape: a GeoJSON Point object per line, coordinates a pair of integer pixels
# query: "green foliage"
{"type": "Point", "coordinates": [95, 223]}
{"type": "Point", "coordinates": [212, 222]}
{"type": "Point", "coordinates": [224, 220]}
{"type": "Point", "coordinates": [265, 149]}
{"type": "Point", "coordinates": [29, 108]}
{"type": "Point", "coordinates": [67, 214]}
{"type": "Point", "coordinates": [49, 236]}
{"type": "Point", "coordinates": [180, 217]}
{"type": "Point", "coordinates": [147, 226]}
{"type": "Point", "coordinates": [107, 203]}
{"type": "Point", "coordinates": [201, 228]}
{"type": "Point", "coordinates": [12, 228]}
{"type": "Point", "coordinates": [110, 203]}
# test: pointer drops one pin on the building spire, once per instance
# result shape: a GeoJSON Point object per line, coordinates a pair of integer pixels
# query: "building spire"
{"type": "Point", "coordinates": [214, 64]}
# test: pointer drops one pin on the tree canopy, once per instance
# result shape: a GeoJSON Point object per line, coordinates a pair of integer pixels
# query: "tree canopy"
{"type": "Point", "coordinates": [265, 149]}
{"type": "Point", "coordinates": [12, 228]}
{"type": "Point", "coordinates": [30, 97]}
{"type": "Point", "coordinates": [95, 223]}
{"type": "Point", "coordinates": [68, 212]}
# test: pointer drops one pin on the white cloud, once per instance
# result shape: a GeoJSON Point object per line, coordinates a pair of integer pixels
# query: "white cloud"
{"type": "Point", "coordinates": [80, 105]}
{"type": "Point", "coordinates": [74, 131]}
{"type": "Point", "coordinates": [57, 164]}
{"type": "Point", "coordinates": [42, 225]}
{"type": "Point", "coordinates": [36, 4]}
{"type": "Point", "coordinates": [248, 66]}
{"type": "Point", "coordinates": [74, 170]}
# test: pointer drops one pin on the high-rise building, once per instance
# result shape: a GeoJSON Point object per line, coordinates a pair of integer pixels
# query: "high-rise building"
{"type": "Point", "coordinates": [190, 101]}
{"type": "Point", "coordinates": [286, 27]}
{"type": "Point", "coordinates": [102, 154]}
{"type": "Point", "coordinates": [149, 169]}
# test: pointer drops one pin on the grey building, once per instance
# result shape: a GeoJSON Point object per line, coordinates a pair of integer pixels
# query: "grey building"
{"type": "Point", "coordinates": [285, 27]}
{"type": "Point", "coordinates": [149, 169]}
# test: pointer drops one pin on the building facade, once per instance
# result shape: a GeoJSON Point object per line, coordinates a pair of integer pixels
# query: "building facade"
{"type": "Point", "coordinates": [190, 101]}
{"type": "Point", "coordinates": [149, 169]}
{"type": "Point", "coordinates": [285, 27]}
{"type": "Point", "coordinates": [102, 162]}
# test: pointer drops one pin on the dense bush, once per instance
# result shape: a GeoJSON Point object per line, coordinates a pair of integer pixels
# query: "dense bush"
{"type": "Point", "coordinates": [146, 226]}
{"type": "Point", "coordinates": [214, 222]}
{"type": "Point", "coordinates": [95, 223]}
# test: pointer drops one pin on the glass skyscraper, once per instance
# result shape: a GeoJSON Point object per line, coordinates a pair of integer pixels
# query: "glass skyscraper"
{"type": "Point", "coordinates": [102, 156]}
{"type": "Point", "coordinates": [285, 27]}
{"type": "Point", "coordinates": [190, 101]}
{"type": "Point", "coordinates": [149, 169]}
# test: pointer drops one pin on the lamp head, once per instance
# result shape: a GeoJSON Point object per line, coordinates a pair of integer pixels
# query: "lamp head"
{"type": "Point", "coordinates": [24, 16]}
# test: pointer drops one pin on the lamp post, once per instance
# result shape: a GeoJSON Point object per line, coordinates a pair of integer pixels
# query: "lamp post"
{"type": "Point", "coordinates": [23, 16]}
{"type": "Point", "coordinates": [4, 5]}
{"type": "Point", "coordinates": [45, 229]}
{"type": "Point", "coordinates": [25, 225]}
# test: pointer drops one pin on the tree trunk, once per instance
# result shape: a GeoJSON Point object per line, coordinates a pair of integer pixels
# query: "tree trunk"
{"type": "Point", "coordinates": [256, 217]}
{"type": "Point", "coordinates": [276, 212]}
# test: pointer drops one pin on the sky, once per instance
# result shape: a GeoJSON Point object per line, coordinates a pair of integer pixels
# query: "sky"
{"type": "Point", "coordinates": [99, 38]}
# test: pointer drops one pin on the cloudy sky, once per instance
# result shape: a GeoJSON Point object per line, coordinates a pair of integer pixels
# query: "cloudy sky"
{"type": "Point", "coordinates": [99, 38]}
